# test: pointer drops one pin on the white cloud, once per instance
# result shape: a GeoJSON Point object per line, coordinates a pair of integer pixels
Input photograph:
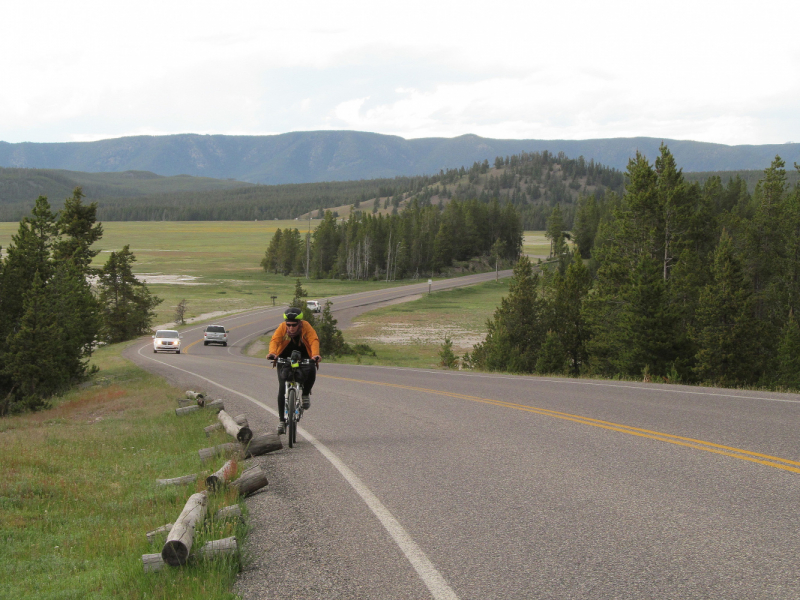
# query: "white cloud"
{"type": "Point", "coordinates": [700, 69]}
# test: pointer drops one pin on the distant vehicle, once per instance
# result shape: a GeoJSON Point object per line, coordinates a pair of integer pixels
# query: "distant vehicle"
{"type": "Point", "coordinates": [167, 339]}
{"type": "Point", "coordinates": [313, 305]}
{"type": "Point", "coordinates": [215, 334]}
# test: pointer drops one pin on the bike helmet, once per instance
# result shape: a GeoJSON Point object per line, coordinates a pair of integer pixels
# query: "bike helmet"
{"type": "Point", "coordinates": [293, 314]}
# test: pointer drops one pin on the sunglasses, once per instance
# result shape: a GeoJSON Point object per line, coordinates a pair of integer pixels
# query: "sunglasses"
{"type": "Point", "coordinates": [292, 324]}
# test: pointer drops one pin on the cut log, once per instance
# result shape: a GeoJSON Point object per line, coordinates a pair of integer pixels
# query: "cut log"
{"type": "Point", "coordinates": [179, 541]}
{"type": "Point", "coordinates": [228, 449]}
{"type": "Point", "coordinates": [152, 562]}
{"type": "Point", "coordinates": [221, 477]}
{"type": "Point", "coordinates": [153, 535]}
{"type": "Point", "coordinates": [242, 434]}
{"type": "Point", "coordinates": [194, 395]}
{"type": "Point", "coordinates": [186, 402]}
{"type": "Point", "coordinates": [219, 548]}
{"type": "Point", "coordinates": [250, 481]}
{"type": "Point", "coordinates": [216, 405]}
{"type": "Point", "coordinates": [177, 480]}
{"type": "Point", "coordinates": [240, 419]}
{"type": "Point", "coordinates": [234, 511]}
{"type": "Point", "coordinates": [263, 444]}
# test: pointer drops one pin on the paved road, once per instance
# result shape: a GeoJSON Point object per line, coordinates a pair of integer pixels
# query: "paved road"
{"type": "Point", "coordinates": [434, 484]}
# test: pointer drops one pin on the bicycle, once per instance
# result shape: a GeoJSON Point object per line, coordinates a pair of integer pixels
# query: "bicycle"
{"type": "Point", "coordinates": [293, 406]}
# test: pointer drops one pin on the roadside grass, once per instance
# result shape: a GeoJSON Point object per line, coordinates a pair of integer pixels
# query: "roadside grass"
{"type": "Point", "coordinates": [411, 334]}
{"type": "Point", "coordinates": [79, 492]}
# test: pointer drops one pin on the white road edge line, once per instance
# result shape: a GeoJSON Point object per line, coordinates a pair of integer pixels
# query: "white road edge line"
{"type": "Point", "coordinates": [430, 576]}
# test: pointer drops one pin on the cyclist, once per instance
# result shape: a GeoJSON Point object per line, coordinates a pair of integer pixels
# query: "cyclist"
{"type": "Point", "coordinates": [294, 334]}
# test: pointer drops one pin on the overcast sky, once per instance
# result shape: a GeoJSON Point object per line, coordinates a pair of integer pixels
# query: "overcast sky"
{"type": "Point", "coordinates": [715, 71]}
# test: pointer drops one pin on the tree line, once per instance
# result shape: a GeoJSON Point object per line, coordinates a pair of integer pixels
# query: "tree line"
{"type": "Point", "coordinates": [670, 281]}
{"type": "Point", "coordinates": [421, 240]}
{"type": "Point", "coordinates": [55, 307]}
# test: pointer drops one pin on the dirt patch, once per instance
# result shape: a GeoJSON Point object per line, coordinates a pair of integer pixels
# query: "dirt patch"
{"type": "Point", "coordinates": [409, 334]}
{"type": "Point", "coordinates": [173, 279]}
{"type": "Point", "coordinates": [258, 348]}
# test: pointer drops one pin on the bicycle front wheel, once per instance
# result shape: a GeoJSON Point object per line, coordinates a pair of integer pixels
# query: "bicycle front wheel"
{"type": "Point", "coordinates": [291, 422]}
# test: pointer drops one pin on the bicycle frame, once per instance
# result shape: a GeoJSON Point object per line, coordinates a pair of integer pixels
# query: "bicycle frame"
{"type": "Point", "coordinates": [293, 406]}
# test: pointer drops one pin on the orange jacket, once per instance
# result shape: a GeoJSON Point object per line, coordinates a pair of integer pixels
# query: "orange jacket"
{"type": "Point", "coordinates": [280, 339]}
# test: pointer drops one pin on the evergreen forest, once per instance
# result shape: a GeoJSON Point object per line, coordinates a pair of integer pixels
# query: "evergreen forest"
{"type": "Point", "coordinates": [671, 281]}
{"type": "Point", "coordinates": [55, 308]}
{"type": "Point", "coordinates": [420, 241]}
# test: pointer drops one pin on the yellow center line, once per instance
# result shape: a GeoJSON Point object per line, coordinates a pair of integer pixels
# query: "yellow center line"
{"type": "Point", "coordinates": [764, 459]}
{"type": "Point", "coordinates": [741, 454]}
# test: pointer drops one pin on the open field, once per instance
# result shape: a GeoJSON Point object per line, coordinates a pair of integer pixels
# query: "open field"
{"type": "Point", "coordinates": [214, 265]}
{"type": "Point", "coordinates": [536, 245]}
{"type": "Point", "coordinates": [79, 491]}
{"type": "Point", "coordinates": [411, 334]}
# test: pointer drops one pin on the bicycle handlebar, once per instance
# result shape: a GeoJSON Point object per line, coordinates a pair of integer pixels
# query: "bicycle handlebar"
{"type": "Point", "coordinates": [288, 361]}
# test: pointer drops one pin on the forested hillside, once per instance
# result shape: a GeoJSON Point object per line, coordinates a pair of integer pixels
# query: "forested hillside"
{"type": "Point", "coordinates": [684, 283]}
{"type": "Point", "coordinates": [534, 182]}
{"type": "Point", "coordinates": [19, 188]}
{"type": "Point", "coordinates": [420, 241]}
{"type": "Point", "coordinates": [314, 156]}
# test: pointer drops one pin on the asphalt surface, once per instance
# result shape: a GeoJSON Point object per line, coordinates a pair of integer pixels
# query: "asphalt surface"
{"type": "Point", "coordinates": [411, 483]}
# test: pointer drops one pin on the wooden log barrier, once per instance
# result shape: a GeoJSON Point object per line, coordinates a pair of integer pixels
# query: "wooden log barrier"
{"type": "Point", "coordinates": [263, 444]}
{"type": "Point", "coordinates": [179, 541]}
{"type": "Point", "coordinates": [221, 450]}
{"type": "Point", "coordinates": [232, 428]}
{"type": "Point", "coordinates": [153, 535]}
{"type": "Point", "coordinates": [211, 550]}
{"type": "Point", "coordinates": [234, 511]}
{"type": "Point", "coordinates": [219, 548]}
{"type": "Point", "coordinates": [194, 395]}
{"type": "Point", "coordinates": [221, 477]}
{"type": "Point", "coordinates": [216, 405]}
{"type": "Point", "coordinates": [251, 481]}
{"type": "Point", "coordinates": [240, 419]}
{"type": "Point", "coordinates": [177, 480]}
{"type": "Point", "coordinates": [152, 563]}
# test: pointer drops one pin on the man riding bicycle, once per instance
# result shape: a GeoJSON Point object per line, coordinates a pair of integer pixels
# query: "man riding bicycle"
{"type": "Point", "coordinates": [294, 334]}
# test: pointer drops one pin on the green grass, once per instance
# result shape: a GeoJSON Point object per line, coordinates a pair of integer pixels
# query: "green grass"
{"type": "Point", "coordinates": [412, 333]}
{"type": "Point", "coordinates": [79, 492]}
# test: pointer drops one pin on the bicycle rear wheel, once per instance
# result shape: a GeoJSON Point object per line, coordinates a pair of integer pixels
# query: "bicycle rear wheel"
{"type": "Point", "coordinates": [291, 423]}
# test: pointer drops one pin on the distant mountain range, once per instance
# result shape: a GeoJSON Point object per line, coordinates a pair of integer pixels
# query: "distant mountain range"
{"type": "Point", "coordinates": [315, 156]}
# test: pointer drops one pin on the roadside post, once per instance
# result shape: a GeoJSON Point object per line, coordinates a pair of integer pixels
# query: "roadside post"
{"type": "Point", "coordinates": [430, 281]}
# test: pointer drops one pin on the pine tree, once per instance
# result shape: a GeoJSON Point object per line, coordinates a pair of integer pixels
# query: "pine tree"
{"type": "Point", "coordinates": [270, 262]}
{"type": "Point", "coordinates": [789, 355]}
{"type": "Point", "coordinates": [552, 357]}
{"type": "Point", "coordinates": [37, 375]}
{"type": "Point", "coordinates": [127, 304]}
{"type": "Point", "coordinates": [331, 340]}
{"type": "Point", "coordinates": [726, 330]}
{"type": "Point", "coordinates": [77, 225]}
{"type": "Point", "coordinates": [516, 332]}
{"type": "Point", "coordinates": [567, 315]}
